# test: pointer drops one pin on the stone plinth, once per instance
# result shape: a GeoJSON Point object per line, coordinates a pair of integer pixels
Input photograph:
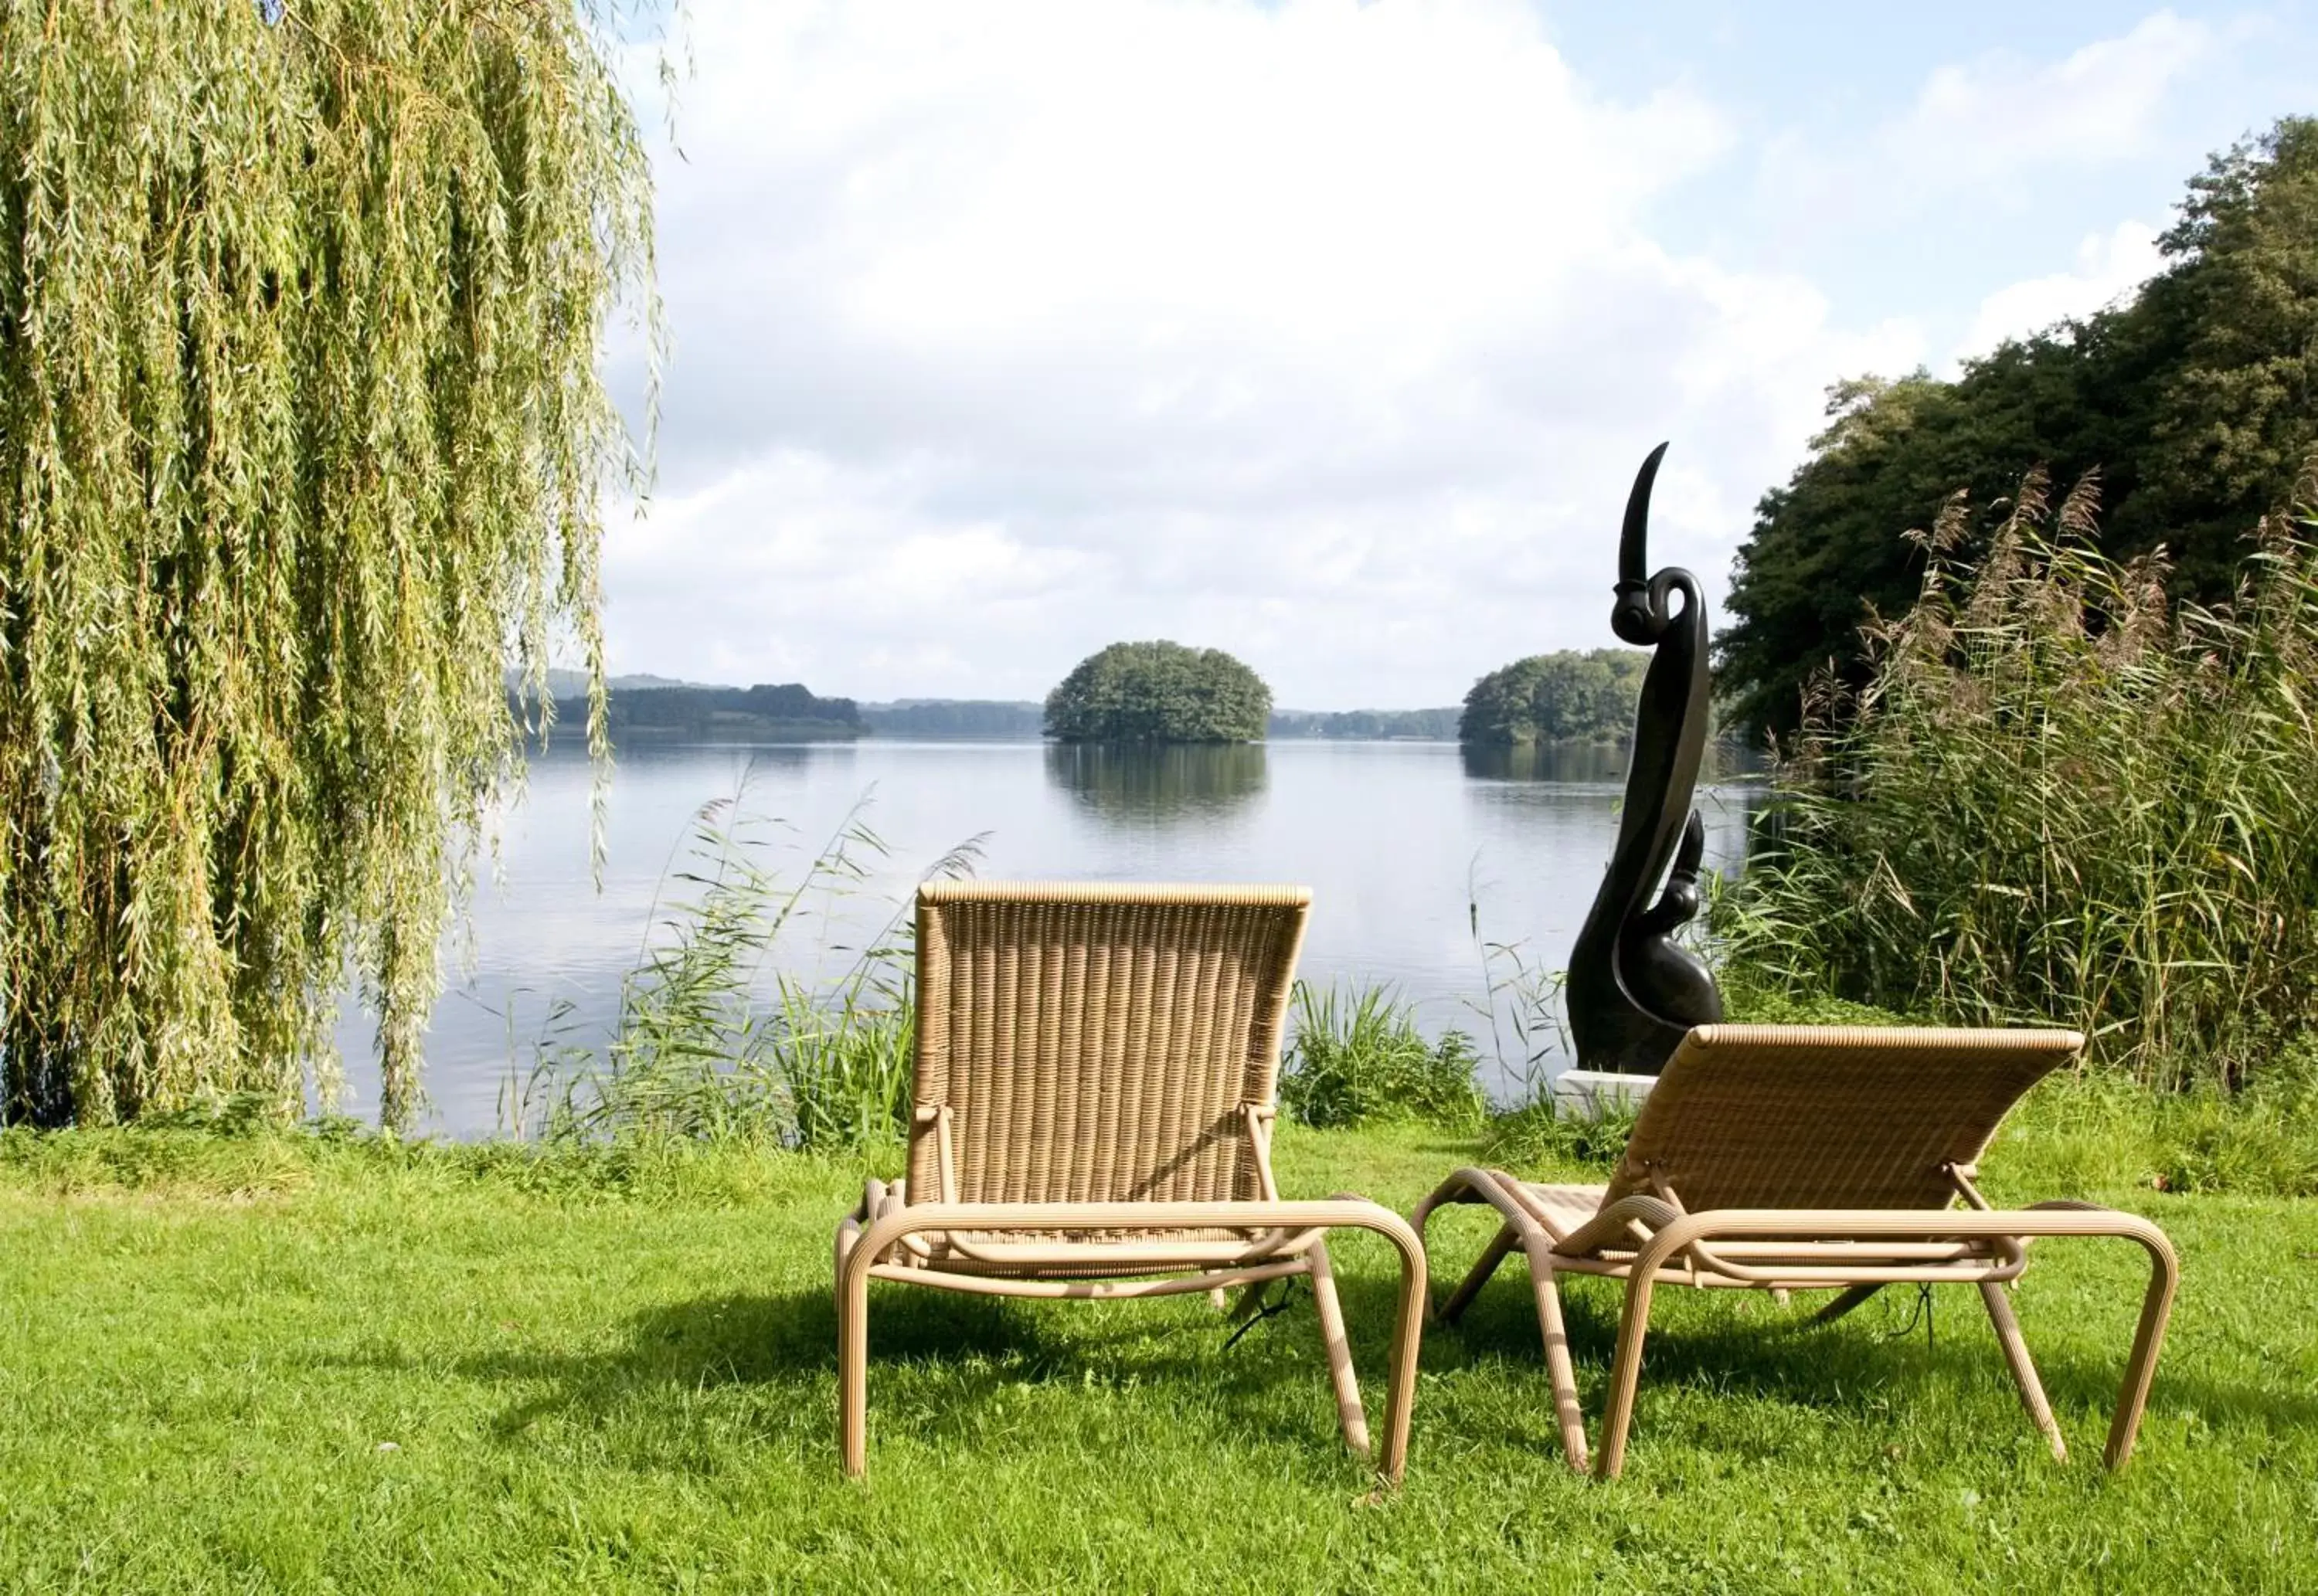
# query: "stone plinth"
{"type": "Point", "coordinates": [1588, 1094]}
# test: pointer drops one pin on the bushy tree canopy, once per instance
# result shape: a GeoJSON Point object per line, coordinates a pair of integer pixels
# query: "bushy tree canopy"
{"type": "Point", "coordinates": [302, 436]}
{"type": "Point", "coordinates": [1555, 697]}
{"type": "Point", "coordinates": [1159, 692]}
{"type": "Point", "coordinates": [2196, 401]}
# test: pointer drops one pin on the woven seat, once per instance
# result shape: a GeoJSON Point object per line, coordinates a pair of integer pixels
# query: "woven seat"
{"type": "Point", "coordinates": [1092, 1110]}
{"type": "Point", "coordinates": [1801, 1158]}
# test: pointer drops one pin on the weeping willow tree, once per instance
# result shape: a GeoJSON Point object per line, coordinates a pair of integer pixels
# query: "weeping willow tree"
{"type": "Point", "coordinates": [304, 439]}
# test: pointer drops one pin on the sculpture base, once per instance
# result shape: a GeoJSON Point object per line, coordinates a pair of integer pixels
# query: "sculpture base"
{"type": "Point", "coordinates": [1588, 1094]}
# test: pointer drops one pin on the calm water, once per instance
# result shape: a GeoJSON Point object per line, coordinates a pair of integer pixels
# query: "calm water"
{"type": "Point", "coordinates": [1394, 839]}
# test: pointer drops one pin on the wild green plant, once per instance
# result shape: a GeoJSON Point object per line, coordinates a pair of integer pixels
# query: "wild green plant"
{"type": "Point", "coordinates": [1358, 1057]}
{"type": "Point", "coordinates": [1541, 1132]}
{"type": "Point", "coordinates": [709, 1042]}
{"type": "Point", "coordinates": [303, 431]}
{"type": "Point", "coordinates": [847, 1063]}
{"type": "Point", "coordinates": [2056, 802]}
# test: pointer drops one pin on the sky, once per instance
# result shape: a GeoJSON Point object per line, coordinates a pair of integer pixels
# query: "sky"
{"type": "Point", "coordinates": [1331, 334]}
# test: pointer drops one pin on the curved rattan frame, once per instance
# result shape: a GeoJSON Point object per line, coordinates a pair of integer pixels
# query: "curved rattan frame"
{"type": "Point", "coordinates": [1769, 1112]}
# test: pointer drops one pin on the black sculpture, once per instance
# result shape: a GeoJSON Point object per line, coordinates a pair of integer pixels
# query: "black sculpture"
{"type": "Point", "coordinates": [1632, 990]}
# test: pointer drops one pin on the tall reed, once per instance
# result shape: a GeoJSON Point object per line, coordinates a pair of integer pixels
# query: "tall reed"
{"type": "Point", "coordinates": [2056, 802]}
{"type": "Point", "coordinates": [713, 1043]}
{"type": "Point", "coordinates": [1524, 1004]}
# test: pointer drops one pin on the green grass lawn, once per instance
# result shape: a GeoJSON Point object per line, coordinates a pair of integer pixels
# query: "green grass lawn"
{"type": "Point", "coordinates": [295, 1363]}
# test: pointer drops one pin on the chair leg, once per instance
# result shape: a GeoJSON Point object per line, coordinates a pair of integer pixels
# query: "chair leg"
{"type": "Point", "coordinates": [1567, 1416]}
{"type": "Point", "coordinates": [1349, 1413]}
{"type": "Point", "coordinates": [1494, 1254]}
{"type": "Point", "coordinates": [853, 1370]}
{"type": "Point", "coordinates": [1625, 1375]}
{"type": "Point", "coordinates": [1407, 1338]}
{"type": "Point", "coordinates": [2156, 1307]}
{"type": "Point", "coordinates": [2022, 1367]}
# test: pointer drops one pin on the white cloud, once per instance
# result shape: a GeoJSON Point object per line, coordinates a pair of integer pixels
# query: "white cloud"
{"type": "Point", "coordinates": [1984, 130]}
{"type": "Point", "coordinates": [1329, 334]}
{"type": "Point", "coordinates": [2109, 266]}
{"type": "Point", "coordinates": [1990, 119]}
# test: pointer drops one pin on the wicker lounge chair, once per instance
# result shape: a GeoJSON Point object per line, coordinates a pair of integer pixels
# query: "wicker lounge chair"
{"type": "Point", "coordinates": [1799, 1158]}
{"type": "Point", "coordinates": [1092, 1117]}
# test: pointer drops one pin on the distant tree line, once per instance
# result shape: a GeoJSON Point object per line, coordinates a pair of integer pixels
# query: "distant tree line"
{"type": "Point", "coordinates": [954, 717]}
{"type": "Point", "coordinates": [654, 706]}
{"type": "Point", "coordinates": [1159, 693]}
{"type": "Point", "coordinates": [1434, 724]}
{"type": "Point", "coordinates": [1564, 696]}
{"type": "Point", "coordinates": [723, 714]}
{"type": "Point", "coordinates": [2196, 400]}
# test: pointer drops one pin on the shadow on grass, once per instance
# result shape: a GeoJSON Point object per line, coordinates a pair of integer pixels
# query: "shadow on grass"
{"type": "Point", "coordinates": [941, 1361]}
{"type": "Point", "coordinates": [1743, 1341]}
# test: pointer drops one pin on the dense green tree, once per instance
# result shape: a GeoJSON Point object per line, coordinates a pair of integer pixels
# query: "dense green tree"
{"type": "Point", "coordinates": [1159, 692]}
{"type": "Point", "coordinates": [303, 435]}
{"type": "Point", "coordinates": [2196, 402]}
{"type": "Point", "coordinates": [2237, 415]}
{"type": "Point", "coordinates": [1555, 697]}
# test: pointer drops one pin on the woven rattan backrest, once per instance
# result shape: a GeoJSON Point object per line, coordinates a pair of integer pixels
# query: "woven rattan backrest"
{"type": "Point", "coordinates": [1816, 1117]}
{"type": "Point", "coordinates": [1098, 1044]}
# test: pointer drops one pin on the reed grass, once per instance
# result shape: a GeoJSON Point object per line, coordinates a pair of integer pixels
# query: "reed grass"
{"type": "Point", "coordinates": [1357, 1056]}
{"type": "Point", "coordinates": [2056, 802]}
{"type": "Point", "coordinates": [1522, 1005]}
{"type": "Point", "coordinates": [714, 1041]}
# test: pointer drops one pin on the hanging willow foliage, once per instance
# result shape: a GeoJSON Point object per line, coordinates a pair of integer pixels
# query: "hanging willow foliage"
{"type": "Point", "coordinates": [303, 438]}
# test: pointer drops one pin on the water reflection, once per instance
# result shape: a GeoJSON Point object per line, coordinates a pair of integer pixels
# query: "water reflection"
{"type": "Point", "coordinates": [732, 762]}
{"type": "Point", "coordinates": [1140, 784]}
{"type": "Point", "coordinates": [1546, 762]}
{"type": "Point", "coordinates": [1591, 762]}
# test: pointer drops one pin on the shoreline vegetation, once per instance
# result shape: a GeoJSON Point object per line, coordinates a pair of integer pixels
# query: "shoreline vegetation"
{"type": "Point", "coordinates": [2057, 797]}
{"type": "Point", "coordinates": [702, 1051]}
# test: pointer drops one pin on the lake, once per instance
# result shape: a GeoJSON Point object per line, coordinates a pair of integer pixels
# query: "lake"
{"type": "Point", "coordinates": [1398, 840]}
